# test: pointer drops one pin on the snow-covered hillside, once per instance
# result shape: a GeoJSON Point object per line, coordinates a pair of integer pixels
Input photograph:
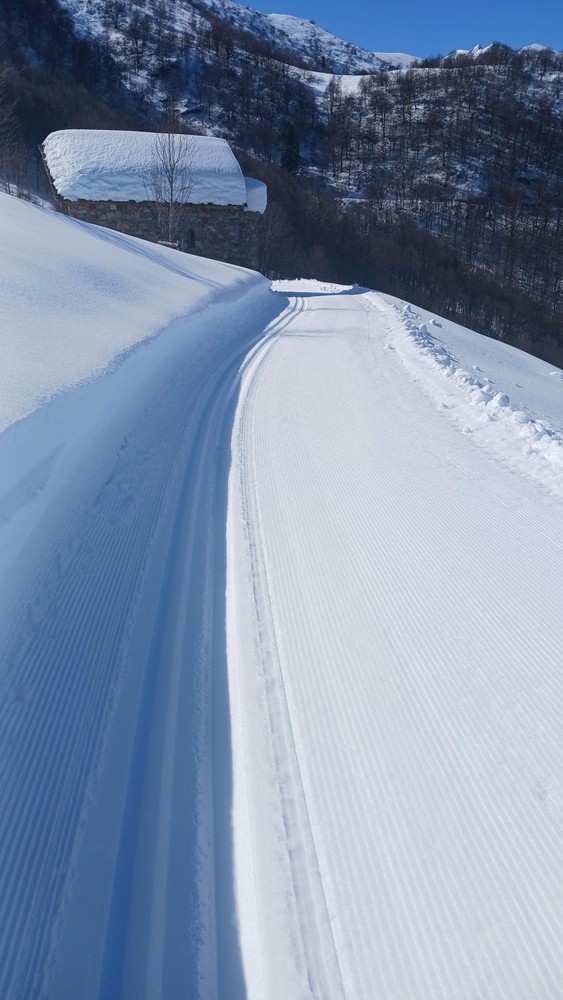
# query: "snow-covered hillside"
{"type": "Point", "coordinates": [480, 50]}
{"type": "Point", "coordinates": [280, 637]}
{"type": "Point", "coordinates": [304, 40]}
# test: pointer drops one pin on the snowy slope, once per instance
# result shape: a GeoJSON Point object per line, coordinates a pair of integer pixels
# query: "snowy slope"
{"type": "Point", "coordinates": [93, 295]}
{"type": "Point", "coordinates": [306, 38]}
{"type": "Point", "coordinates": [280, 638]}
{"type": "Point", "coordinates": [102, 487]}
{"type": "Point", "coordinates": [479, 50]}
{"type": "Point", "coordinates": [318, 82]}
{"type": "Point", "coordinates": [510, 402]}
{"type": "Point", "coordinates": [303, 39]}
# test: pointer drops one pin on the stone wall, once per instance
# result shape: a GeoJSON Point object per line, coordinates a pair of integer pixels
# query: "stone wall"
{"type": "Point", "coordinates": [222, 232]}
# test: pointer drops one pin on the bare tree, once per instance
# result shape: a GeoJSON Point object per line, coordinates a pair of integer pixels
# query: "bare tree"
{"type": "Point", "coordinates": [169, 181]}
{"type": "Point", "coordinates": [276, 242]}
{"type": "Point", "coordinates": [9, 131]}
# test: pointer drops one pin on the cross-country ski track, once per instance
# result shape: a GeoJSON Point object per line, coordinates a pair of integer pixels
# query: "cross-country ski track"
{"type": "Point", "coordinates": [282, 650]}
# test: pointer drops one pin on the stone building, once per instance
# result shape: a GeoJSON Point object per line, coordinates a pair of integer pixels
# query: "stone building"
{"type": "Point", "coordinates": [119, 180]}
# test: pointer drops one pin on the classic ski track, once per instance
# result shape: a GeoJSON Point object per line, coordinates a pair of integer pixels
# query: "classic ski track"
{"type": "Point", "coordinates": [408, 926]}
{"type": "Point", "coordinates": [54, 725]}
{"type": "Point", "coordinates": [310, 917]}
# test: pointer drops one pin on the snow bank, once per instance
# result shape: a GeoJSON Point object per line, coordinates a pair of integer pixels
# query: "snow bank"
{"type": "Point", "coordinates": [104, 165]}
{"type": "Point", "coordinates": [311, 286]}
{"type": "Point", "coordinates": [106, 491]}
{"type": "Point", "coordinates": [514, 407]}
{"type": "Point", "coordinates": [74, 297]}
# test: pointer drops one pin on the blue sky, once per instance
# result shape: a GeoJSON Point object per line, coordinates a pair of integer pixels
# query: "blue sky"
{"type": "Point", "coordinates": [431, 26]}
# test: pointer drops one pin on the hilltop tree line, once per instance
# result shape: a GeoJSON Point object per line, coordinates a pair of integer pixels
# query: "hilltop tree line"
{"type": "Point", "coordinates": [308, 233]}
{"type": "Point", "coordinates": [471, 153]}
{"type": "Point", "coordinates": [442, 184]}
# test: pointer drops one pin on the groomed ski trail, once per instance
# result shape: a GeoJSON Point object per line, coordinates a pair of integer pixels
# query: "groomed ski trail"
{"type": "Point", "coordinates": [294, 950]}
{"type": "Point", "coordinates": [280, 714]}
{"type": "Point", "coordinates": [394, 649]}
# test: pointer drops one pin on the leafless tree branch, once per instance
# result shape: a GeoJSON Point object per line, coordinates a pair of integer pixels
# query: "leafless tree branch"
{"type": "Point", "coordinates": [169, 181]}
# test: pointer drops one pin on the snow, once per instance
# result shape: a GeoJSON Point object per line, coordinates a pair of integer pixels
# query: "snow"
{"type": "Point", "coordinates": [280, 637]}
{"type": "Point", "coordinates": [256, 195]}
{"type": "Point", "coordinates": [305, 40]}
{"type": "Point", "coordinates": [533, 47]}
{"type": "Point", "coordinates": [308, 35]}
{"type": "Point", "coordinates": [401, 60]}
{"type": "Point", "coordinates": [395, 636]}
{"type": "Point", "coordinates": [93, 479]}
{"type": "Point", "coordinates": [116, 291]}
{"type": "Point", "coordinates": [320, 81]}
{"type": "Point", "coordinates": [478, 50]}
{"type": "Point", "coordinates": [104, 165]}
{"type": "Point", "coordinates": [510, 402]}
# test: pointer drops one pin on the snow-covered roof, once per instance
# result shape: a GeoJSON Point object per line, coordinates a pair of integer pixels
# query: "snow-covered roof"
{"type": "Point", "coordinates": [256, 195]}
{"type": "Point", "coordinates": [104, 165]}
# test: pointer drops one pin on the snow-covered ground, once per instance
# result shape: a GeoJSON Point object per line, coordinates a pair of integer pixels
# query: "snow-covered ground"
{"type": "Point", "coordinates": [105, 481]}
{"type": "Point", "coordinates": [318, 82]}
{"type": "Point", "coordinates": [75, 297]}
{"type": "Point", "coordinates": [280, 637]}
{"type": "Point", "coordinates": [395, 648]}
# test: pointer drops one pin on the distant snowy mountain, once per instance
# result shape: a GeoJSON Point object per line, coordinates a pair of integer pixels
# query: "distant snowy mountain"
{"type": "Point", "coordinates": [480, 50]}
{"type": "Point", "coordinates": [302, 40]}
{"type": "Point", "coordinates": [311, 38]}
{"type": "Point", "coordinates": [305, 39]}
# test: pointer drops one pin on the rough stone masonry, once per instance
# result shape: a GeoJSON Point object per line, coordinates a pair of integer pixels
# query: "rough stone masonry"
{"type": "Point", "coordinates": [222, 232]}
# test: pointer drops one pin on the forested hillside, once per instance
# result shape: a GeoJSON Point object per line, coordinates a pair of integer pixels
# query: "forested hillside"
{"type": "Point", "coordinates": [442, 183]}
